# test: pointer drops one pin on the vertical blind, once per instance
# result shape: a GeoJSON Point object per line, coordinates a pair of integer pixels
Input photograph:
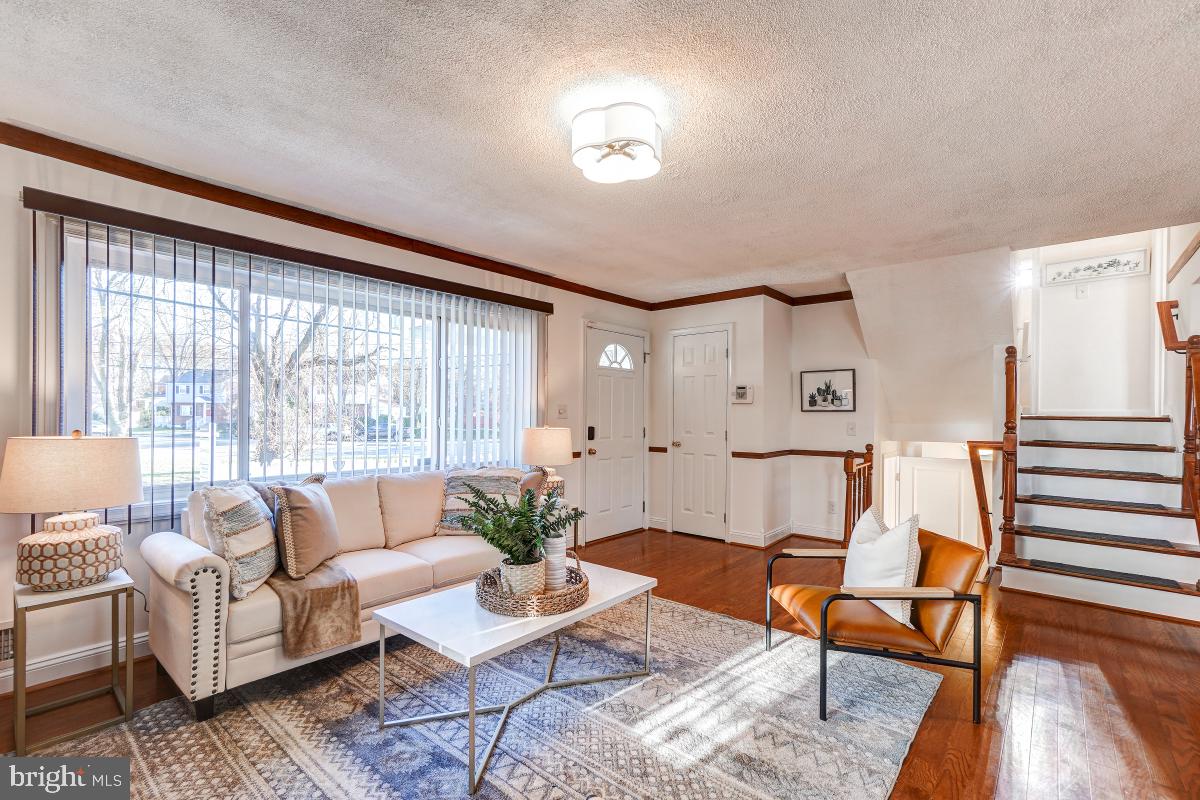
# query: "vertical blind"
{"type": "Point", "coordinates": [227, 365]}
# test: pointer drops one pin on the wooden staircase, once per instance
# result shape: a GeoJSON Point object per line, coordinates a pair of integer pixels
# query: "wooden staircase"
{"type": "Point", "coordinates": [1103, 509]}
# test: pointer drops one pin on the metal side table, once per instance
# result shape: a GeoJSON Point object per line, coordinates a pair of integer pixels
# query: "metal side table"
{"type": "Point", "coordinates": [25, 600]}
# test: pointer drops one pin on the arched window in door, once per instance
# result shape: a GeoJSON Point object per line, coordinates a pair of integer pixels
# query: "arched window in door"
{"type": "Point", "coordinates": [615, 356]}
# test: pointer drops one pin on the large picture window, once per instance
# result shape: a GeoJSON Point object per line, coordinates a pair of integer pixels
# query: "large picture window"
{"type": "Point", "coordinates": [226, 365]}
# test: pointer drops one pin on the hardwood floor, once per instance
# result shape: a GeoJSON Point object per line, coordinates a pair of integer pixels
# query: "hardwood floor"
{"type": "Point", "coordinates": [1079, 701]}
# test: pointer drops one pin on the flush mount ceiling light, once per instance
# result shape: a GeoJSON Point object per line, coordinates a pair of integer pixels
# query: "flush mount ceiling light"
{"type": "Point", "coordinates": [617, 143]}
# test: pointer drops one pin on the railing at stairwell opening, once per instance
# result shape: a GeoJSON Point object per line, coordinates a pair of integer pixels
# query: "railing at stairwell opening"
{"type": "Point", "coordinates": [1007, 447]}
{"type": "Point", "coordinates": [1190, 349]}
{"type": "Point", "coordinates": [859, 468]}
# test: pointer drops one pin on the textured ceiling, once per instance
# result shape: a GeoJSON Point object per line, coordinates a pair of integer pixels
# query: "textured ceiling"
{"type": "Point", "coordinates": [801, 140]}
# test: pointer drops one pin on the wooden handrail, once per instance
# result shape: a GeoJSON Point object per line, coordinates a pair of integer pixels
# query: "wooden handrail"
{"type": "Point", "coordinates": [974, 449]}
{"type": "Point", "coordinates": [1166, 323]}
{"type": "Point", "coordinates": [1008, 450]}
{"type": "Point", "coordinates": [1190, 496]}
{"type": "Point", "coordinates": [858, 487]}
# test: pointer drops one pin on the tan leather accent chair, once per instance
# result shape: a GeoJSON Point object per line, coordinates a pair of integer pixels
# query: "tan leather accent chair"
{"type": "Point", "coordinates": [842, 619]}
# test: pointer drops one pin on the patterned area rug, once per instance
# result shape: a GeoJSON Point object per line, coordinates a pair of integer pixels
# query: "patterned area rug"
{"type": "Point", "coordinates": [718, 718]}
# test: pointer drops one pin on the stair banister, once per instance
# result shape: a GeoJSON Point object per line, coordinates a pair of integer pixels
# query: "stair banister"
{"type": "Point", "coordinates": [1008, 452]}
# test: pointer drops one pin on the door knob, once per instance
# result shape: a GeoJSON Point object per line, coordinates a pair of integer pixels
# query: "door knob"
{"type": "Point", "coordinates": [591, 451]}
{"type": "Point", "coordinates": [676, 444]}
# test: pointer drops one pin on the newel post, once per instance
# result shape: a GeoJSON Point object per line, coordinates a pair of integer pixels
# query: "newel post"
{"type": "Point", "coordinates": [867, 490]}
{"type": "Point", "coordinates": [1008, 537]}
{"type": "Point", "coordinates": [848, 524]}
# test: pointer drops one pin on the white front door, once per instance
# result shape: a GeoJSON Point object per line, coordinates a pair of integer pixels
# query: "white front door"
{"type": "Point", "coordinates": [615, 444]}
{"type": "Point", "coordinates": [699, 446]}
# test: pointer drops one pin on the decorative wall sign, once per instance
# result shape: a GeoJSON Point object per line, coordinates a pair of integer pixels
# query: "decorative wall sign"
{"type": "Point", "coordinates": [827, 390]}
{"type": "Point", "coordinates": [1121, 265]}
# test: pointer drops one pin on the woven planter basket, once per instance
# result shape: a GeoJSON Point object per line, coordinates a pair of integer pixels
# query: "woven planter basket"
{"type": "Point", "coordinates": [522, 579]}
{"type": "Point", "coordinates": [490, 594]}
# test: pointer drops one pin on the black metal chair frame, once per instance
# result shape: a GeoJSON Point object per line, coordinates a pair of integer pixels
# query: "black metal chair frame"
{"type": "Point", "coordinates": [975, 665]}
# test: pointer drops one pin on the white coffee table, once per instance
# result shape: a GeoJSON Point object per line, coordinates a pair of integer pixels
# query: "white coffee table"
{"type": "Point", "coordinates": [453, 623]}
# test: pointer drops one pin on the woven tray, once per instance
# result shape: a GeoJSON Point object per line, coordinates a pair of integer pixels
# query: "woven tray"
{"type": "Point", "coordinates": [494, 599]}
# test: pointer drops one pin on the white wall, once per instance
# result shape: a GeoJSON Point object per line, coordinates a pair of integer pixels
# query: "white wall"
{"type": "Point", "coordinates": [931, 327]}
{"type": "Point", "coordinates": [828, 336]}
{"type": "Point", "coordinates": [79, 632]}
{"type": "Point", "coordinates": [1095, 342]}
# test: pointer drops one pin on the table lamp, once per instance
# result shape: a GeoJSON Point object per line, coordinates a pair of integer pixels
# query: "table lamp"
{"type": "Point", "coordinates": [51, 473]}
{"type": "Point", "coordinates": [547, 448]}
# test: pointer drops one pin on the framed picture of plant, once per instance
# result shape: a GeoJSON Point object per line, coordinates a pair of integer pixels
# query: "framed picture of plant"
{"type": "Point", "coordinates": [827, 390]}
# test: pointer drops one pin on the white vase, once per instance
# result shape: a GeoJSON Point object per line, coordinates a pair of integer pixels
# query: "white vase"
{"type": "Point", "coordinates": [523, 578]}
{"type": "Point", "coordinates": [555, 549]}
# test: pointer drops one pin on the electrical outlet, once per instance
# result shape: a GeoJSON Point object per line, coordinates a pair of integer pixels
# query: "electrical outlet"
{"type": "Point", "coordinates": [832, 507]}
{"type": "Point", "coordinates": [851, 429]}
{"type": "Point", "coordinates": [562, 410]}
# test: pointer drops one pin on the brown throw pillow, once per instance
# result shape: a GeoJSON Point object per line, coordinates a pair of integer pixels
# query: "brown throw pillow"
{"type": "Point", "coordinates": [305, 527]}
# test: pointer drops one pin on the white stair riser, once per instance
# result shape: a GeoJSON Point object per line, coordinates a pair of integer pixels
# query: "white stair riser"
{"type": "Point", "coordinates": [1160, 565]}
{"type": "Point", "coordinates": [1150, 601]}
{"type": "Point", "coordinates": [1092, 431]}
{"type": "Point", "coordinates": [1175, 529]}
{"type": "Point", "coordinates": [1167, 494]}
{"type": "Point", "coordinates": [1132, 461]}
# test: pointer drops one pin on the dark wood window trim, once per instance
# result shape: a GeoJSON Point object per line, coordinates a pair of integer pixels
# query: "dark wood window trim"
{"type": "Point", "coordinates": [39, 200]}
{"type": "Point", "coordinates": [122, 167]}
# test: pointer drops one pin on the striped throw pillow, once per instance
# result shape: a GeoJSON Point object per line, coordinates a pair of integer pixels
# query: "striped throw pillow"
{"type": "Point", "coordinates": [240, 529]}
{"type": "Point", "coordinates": [494, 481]}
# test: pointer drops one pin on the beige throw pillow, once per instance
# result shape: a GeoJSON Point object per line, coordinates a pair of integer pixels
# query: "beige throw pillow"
{"type": "Point", "coordinates": [239, 529]}
{"type": "Point", "coordinates": [882, 558]}
{"type": "Point", "coordinates": [306, 527]}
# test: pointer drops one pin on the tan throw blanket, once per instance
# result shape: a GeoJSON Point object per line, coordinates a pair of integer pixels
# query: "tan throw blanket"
{"type": "Point", "coordinates": [320, 611]}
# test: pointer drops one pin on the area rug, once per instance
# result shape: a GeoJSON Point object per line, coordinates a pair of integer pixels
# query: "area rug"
{"type": "Point", "coordinates": [718, 718]}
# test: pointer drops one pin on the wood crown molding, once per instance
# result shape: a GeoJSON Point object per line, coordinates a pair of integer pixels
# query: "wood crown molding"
{"type": "Point", "coordinates": [122, 167]}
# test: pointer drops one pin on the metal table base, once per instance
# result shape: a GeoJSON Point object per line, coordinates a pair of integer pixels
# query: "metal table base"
{"type": "Point", "coordinates": [475, 776]}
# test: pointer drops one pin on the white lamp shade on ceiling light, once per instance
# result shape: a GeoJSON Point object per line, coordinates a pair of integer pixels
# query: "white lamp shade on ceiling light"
{"type": "Point", "coordinates": [546, 447]}
{"type": "Point", "coordinates": [43, 474]}
{"type": "Point", "coordinates": [617, 143]}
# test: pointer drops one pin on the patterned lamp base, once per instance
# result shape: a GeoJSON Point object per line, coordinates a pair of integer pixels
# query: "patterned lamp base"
{"type": "Point", "coordinates": [70, 551]}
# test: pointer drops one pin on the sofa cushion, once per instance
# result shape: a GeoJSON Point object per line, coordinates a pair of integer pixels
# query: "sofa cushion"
{"type": "Point", "coordinates": [192, 520]}
{"type": "Point", "coordinates": [454, 558]}
{"type": "Point", "coordinates": [306, 527]}
{"type": "Point", "coordinates": [411, 505]}
{"type": "Point", "coordinates": [356, 506]}
{"type": "Point", "coordinates": [383, 576]}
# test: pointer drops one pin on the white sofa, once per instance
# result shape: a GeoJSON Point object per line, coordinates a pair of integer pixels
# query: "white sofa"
{"type": "Point", "coordinates": [208, 643]}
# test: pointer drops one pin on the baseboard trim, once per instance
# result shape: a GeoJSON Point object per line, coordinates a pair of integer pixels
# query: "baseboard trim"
{"type": "Point", "coordinates": [759, 540]}
{"type": "Point", "coordinates": [71, 663]}
{"type": "Point", "coordinates": [816, 531]}
{"type": "Point", "coordinates": [1091, 604]}
{"type": "Point", "coordinates": [657, 523]}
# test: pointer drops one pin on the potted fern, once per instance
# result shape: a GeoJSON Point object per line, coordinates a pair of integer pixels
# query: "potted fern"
{"type": "Point", "coordinates": [518, 530]}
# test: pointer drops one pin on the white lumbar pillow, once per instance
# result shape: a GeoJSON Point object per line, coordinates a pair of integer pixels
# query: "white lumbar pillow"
{"type": "Point", "coordinates": [881, 558]}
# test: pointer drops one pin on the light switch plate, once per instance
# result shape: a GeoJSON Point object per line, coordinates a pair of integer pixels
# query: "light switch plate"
{"type": "Point", "coordinates": [851, 429]}
{"type": "Point", "coordinates": [1081, 291]}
